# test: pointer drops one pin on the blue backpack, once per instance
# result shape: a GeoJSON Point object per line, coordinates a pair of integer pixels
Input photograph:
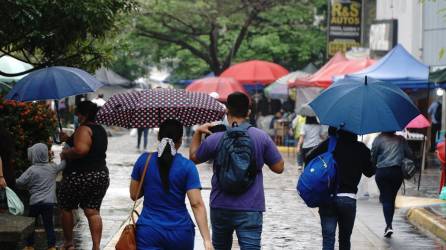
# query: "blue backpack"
{"type": "Point", "coordinates": [235, 164]}
{"type": "Point", "coordinates": [316, 184]}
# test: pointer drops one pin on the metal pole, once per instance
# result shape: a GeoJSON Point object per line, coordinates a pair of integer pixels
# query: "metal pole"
{"type": "Point", "coordinates": [56, 105]}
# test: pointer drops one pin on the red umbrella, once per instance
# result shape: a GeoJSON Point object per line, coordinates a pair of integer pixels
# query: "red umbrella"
{"type": "Point", "coordinates": [255, 71]}
{"type": "Point", "coordinates": [149, 108]}
{"type": "Point", "coordinates": [338, 57]}
{"type": "Point", "coordinates": [223, 86]}
{"type": "Point", "coordinates": [419, 122]}
{"type": "Point", "coordinates": [324, 77]}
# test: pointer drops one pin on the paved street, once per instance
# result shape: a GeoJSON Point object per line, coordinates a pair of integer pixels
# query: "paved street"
{"type": "Point", "coordinates": [288, 223]}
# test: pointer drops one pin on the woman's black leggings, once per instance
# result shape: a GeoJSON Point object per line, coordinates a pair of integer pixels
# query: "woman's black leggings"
{"type": "Point", "coordinates": [389, 180]}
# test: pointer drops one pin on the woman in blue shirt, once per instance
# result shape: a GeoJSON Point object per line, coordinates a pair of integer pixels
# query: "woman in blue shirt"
{"type": "Point", "coordinates": [165, 222]}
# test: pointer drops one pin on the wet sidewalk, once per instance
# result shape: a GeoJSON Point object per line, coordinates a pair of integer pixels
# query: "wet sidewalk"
{"type": "Point", "coordinates": [288, 223]}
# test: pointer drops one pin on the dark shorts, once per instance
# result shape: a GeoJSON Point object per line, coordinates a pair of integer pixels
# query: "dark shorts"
{"type": "Point", "coordinates": [83, 189]}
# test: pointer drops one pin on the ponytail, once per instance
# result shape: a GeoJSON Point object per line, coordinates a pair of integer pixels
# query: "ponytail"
{"type": "Point", "coordinates": [171, 133]}
{"type": "Point", "coordinates": [165, 163]}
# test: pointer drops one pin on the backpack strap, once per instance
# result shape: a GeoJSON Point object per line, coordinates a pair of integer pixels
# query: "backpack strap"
{"type": "Point", "coordinates": [332, 144]}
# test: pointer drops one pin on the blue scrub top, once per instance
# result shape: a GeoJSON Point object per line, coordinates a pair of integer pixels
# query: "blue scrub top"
{"type": "Point", "coordinates": [166, 209]}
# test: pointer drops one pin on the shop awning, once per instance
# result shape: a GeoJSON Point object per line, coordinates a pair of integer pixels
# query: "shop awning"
{"type": "Point", "coordinates": [398, 67]}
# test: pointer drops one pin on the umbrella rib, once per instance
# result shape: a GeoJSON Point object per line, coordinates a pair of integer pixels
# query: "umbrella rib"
{"type": "Point", "coordinates": [388, 108]}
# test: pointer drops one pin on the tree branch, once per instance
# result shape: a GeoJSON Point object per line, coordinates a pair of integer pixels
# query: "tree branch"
{"type": "Point", "coordinates": [238, 41]}
{"type": "Point", "coordinates": [213, 49]}
{"type": "Point", "coordinates": [181, 43]}
{"type": "Point", "coordinates": [23, 72]}
{"type": "Point", "coordinates": [190, 35]}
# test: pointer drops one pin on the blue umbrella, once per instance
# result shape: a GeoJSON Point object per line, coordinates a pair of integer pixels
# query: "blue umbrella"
{"type": "Point", "coordinates": [53, 83]}
{"type": "Point", "coordinates": [364, 106]}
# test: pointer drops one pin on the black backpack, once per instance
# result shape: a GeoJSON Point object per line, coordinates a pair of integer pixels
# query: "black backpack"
{"type": "Point", "coordinates": [438, 113]}
{"type": "Point", "coordinates": [236, 168]}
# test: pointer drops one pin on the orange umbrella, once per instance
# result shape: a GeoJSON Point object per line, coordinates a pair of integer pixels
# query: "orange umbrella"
{"type": "Point", "coordinates": [325, 76]}
{"type": "Point", "coordinates": [338, 57]}
{"type": "Point", "coordinates": [223, 86]}
{"type": "Point", "coordinates": [255, 71]}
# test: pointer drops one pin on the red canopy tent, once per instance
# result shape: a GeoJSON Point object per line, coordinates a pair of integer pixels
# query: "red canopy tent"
{"type": "Point", "coordinates": [324, 77]}
{"type": "Point", "coordinates": [338, 57]}
{"type": "Point", "coordinates": [255, 71]}
{"type": "Point", "coordinates": [223, 86]}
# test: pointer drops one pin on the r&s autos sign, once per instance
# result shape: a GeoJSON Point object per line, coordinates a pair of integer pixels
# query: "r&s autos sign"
{"type": "Point", "coordinates": [344, 25]}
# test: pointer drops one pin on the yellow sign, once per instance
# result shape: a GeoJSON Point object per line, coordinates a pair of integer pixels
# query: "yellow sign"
{"type": "Point", "coordinates": [344, 26]}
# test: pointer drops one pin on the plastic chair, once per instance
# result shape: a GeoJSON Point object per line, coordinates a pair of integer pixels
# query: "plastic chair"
{"type": "Point", "coordinates": [441, 156]}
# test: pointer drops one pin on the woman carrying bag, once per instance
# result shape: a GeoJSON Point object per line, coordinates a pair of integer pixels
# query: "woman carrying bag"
{"type": "Point", "coordinates": [388, 153]}
{"type": "Point", "coordinates": [164, 222]}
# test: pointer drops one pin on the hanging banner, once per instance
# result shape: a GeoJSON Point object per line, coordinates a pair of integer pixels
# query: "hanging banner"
{"type": "Point", "coordinates": [344, 25]}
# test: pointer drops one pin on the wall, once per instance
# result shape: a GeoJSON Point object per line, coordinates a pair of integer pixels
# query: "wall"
{"type": "Point", "coordinates": [434, 32]}
{"type": "Point", "coordinates": [408, 13]}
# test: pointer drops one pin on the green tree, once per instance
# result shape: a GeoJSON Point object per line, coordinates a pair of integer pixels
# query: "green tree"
{"type": "Point", "coordinates": [193, 37]}
{"type": "Point", "coordinates": [58, 32]}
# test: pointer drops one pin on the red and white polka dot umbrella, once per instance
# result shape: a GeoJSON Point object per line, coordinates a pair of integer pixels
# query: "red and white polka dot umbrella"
{"type": "Point", "coordinates": [149, 108]}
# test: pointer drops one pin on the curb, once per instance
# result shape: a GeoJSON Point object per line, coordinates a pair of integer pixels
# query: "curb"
{"type": "Point", "coordinates": [424, 219]}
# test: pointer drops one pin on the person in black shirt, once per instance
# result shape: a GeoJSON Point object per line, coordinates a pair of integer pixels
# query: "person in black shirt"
{"type": "Point", "coordinates": [353, 159]}
{"type": "Point", "coordinates": [86, 177]}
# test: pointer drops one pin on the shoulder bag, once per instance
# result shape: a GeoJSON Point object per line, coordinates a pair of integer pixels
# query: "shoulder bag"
{"type": "Point", "coordinates": [127, 240]}
{"type": "Point", "coordinates": [409, 168]}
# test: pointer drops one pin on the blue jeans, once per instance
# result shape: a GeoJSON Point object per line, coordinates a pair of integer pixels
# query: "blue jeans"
{"type": "Point", "coordinates": [247, 225]}
{"type": "Point", "coordinates": [46, 211]}
{"type": "Point", "coordinates": [343, 212]}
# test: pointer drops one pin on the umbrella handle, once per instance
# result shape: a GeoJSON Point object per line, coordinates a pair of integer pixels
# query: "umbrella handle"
{"type": "Point", "coordinates": [56, 137]}
{"type": "Point", "coordinates": [56, 105]}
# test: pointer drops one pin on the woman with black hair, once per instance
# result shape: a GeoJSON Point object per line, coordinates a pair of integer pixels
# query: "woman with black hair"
{"type": "Point", "coordinates": [352, 161]}
{"type": "Point", "coordinates": [388, 152]}
{"type": "Point", "coordinates": [311, 134]}
{"type": "Point", "coordinates": [165, 222]}
{"type": "Point", "coordinates": [85, 178]}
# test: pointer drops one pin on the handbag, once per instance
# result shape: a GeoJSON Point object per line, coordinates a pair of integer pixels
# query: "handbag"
{"type": "Point", "coordinates": [408, 168]}
{"type": "Point", "coordinates": [127, 240]}
{"type": "Point", "coordinates": [15, 205]}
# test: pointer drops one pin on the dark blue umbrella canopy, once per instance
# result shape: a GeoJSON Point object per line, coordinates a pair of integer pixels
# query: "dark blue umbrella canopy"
{"type": "Point", "coordinates": [364, 106]}
{"type": "Point", "coordinates": [53, 83]}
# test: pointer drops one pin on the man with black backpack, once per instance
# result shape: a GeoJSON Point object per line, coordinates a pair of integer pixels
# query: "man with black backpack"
{"type": "Point", "coordinates": [237, 197]}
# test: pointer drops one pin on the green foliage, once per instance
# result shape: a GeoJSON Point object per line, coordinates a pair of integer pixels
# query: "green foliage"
{"type": "Point", "coordinates": [195, 37]}
{"type": "Point", "coordinates": [58, 32]}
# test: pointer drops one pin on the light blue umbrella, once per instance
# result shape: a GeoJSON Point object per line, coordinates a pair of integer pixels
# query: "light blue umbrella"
{"type": "Point", "coordinates": [53, 83]}
{"type": "Point", "coordinates": [364, 106]}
